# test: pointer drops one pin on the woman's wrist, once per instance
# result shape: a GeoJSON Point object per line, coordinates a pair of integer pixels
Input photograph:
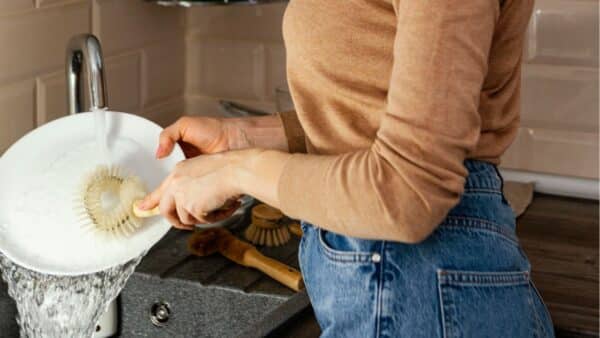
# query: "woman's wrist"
{"type": "Point", "coordinates": [255, 132]}
{"type": "Point", "coordinates": [256, 172]}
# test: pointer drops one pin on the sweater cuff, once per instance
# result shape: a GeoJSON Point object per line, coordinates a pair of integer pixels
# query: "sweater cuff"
{"type": "Point", "coordinates": [293, 132]}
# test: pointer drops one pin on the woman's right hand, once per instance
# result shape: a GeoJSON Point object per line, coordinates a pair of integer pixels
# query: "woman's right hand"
{"type": "Point", "coordinates": [196, 135]}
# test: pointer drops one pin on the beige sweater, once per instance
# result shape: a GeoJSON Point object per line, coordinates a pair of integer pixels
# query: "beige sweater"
{"type": "Point", "coordinates": [391, 97]}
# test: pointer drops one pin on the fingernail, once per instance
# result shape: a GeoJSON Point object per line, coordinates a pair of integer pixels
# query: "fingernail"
{"type": "Point", "coordinates": [142, 204]}
{"type": "Point", "coordinates": [159, 151]}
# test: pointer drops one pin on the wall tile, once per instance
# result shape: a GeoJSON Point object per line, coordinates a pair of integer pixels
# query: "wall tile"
{"type": "Point", "coordinates": [166, 112]}
{"type": "Point", "coordinates": [560, 97]}
{"type": "Point", "coordinates": [163, 71]}
{"type": "Point", "coordinates": [129, 24]}
{"type": "Point", "coordinates": [237, 22]}
{"type": "Point", "coordinates": [276, 72]}
{"type": "Point", "coordinates": [564, 32]}
{"type": "Point", "coordinates": [35, 43]}
{"type": "Point", "coordinates": [48, 3]}
{"type": "Point", "coordinates": [51, 94]}
{"type": "Point", "coordinates": [560, 152]}
{"type": "Point", "coordinates": [226, 69]}
{"type": "Point", "coordinates": [209, 106]}
{"type": "Point", "coordinates": [9, 7]}
{"type": "Point", "coordinates": [123, 88]}
{"type": "Point", "coordinates": [17, 115]}
{"type": "Point", "coordinates": [123, 82]}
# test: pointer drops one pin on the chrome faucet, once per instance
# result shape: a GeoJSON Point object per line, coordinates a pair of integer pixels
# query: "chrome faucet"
{"type": "Point", "coordinates": [85, 48]}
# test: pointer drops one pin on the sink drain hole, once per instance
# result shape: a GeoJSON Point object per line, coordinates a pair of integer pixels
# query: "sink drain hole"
{"type": "Point", "coordinates": [160, 313]}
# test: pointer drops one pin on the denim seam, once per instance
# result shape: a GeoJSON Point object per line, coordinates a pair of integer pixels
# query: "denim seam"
{"type": "Point", "coordinates": [478, 224]}
{"type": "Point", "coordinates": [476, 190]}
{"type": "Point", "coordinates": [301, 252]}
{"type": "Point", "coordinates": [540, 325]}
{"type": "Point", "coordinates": [476, 278]}
{"type": "Point", "coordinates": [536, 318]}
{"type": "Point", "coordinates": [341, 256]}
{"type": "Point", "coordinates": [483, 182]}
{"type": "Point", "coordinates": [540, 297]}
{"type": "Point", "coordinates": [441, 301]}
{"type": "Point", "coordinates": [380, 282]}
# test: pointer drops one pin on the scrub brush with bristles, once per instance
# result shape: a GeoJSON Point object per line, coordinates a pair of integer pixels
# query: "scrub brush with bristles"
{"type": "Point", "coordinates": [266, 228]}
{"type": "Point", "coordinates": [107, 200]}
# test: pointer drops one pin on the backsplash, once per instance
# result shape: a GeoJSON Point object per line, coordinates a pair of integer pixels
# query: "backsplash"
{"type": "Point", "coordinates": [165, 61]}
{"type": "Point", "coordinates": [559, 116]}
{"type": "Point", "coordinates": [143, 48]}
{"type": "Point", "coordinates": [234, 53]}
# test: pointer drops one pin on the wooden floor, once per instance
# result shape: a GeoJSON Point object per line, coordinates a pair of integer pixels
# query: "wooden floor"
{"type": "Point", "coordinates": [560, 237]}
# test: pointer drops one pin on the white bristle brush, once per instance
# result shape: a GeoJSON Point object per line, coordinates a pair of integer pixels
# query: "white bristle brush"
{"type": "Point", "coordinates": [108, 199]}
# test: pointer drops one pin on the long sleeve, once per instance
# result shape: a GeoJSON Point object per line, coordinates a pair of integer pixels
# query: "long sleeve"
{"type": "Point", "coordinates": [404, 184]}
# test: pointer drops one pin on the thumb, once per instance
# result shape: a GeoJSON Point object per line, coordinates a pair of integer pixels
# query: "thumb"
{"type": "Point", "coordinates": [153, 199]}
{"type": "Point", "coordinates": [167, 139]}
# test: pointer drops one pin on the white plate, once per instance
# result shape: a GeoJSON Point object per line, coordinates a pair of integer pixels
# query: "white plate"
{"type": "Point", "coordinates": [40, 178]}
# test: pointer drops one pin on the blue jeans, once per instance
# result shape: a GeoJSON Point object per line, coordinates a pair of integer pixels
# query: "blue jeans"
{"type": "Point", "coordinates": [469, 278]}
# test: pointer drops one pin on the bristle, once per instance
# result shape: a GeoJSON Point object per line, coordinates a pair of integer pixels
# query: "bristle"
{"type": "Point", "coordinates": [267, 236]}
{"type": "Point", "coordinates": [117, 222]}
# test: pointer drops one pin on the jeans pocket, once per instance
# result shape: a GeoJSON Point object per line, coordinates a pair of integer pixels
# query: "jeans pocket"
{"type": "Point", "coordinates": [344, 249]}
{"type": "Point", "coordinates": [487, 304]}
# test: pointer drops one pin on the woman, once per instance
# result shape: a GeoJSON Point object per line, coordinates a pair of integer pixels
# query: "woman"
{"type": "Point", "coordinates": [403, 109]}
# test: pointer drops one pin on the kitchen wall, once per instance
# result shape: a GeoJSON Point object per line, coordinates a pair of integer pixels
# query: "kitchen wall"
{"type": "Point", "coordinates": [559, 132]}
{"type": "Point", "coordinates": [165, 61]}
{"type": "Point", "coordinates": [143, 46]}
{"type": "Point", "coordinates": [234, 53]}
{"type": "Point", "coordinates": [237, 53]}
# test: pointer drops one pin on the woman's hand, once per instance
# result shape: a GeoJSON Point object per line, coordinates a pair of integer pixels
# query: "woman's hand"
{"type": "Point", "coordinates": [208, 135]}
{"type": "Point", "coordinates": [197, 190]}
{"type": "Point", "coordinates": [196, 135]}
{"type": "Point", "coordinates": [201, 189]}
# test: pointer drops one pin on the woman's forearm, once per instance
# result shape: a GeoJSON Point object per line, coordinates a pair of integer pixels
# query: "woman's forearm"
{"type": "Point", "coordinates": [264, 132]}
{"type": "Point", "coordinates": [256, 172]}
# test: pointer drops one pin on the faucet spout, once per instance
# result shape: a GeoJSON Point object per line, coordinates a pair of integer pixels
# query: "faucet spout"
{"type": "Point", "coordinates": [85, 48]}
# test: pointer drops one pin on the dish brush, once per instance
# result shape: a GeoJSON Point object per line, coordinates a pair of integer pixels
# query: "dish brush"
{"type": "Point", "coordinates": [210, 241]}
{"type": "Point", "coordinates": [107, 199]}
{"type": "Point", "coordinates": [266, 227]}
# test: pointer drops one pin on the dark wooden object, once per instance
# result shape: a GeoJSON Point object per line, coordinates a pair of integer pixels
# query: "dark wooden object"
{"type": "Point", "coordinates": [560, 237]}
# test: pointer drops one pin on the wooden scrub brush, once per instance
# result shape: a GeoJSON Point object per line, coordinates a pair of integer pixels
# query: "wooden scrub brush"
{"type": "Point", "coordinates": [266, 227]}
{"type": "Point", "coordinates": [210, 241]}
{"type": "Point", "coordinates": [106, 202]}
{"type": "Point", "coordinates": [109, 198]}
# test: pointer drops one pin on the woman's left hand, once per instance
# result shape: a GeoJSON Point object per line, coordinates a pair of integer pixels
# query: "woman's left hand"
{"type": "Point", "coordinates": [196, 190]}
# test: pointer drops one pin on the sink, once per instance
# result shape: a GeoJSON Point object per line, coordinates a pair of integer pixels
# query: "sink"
{"type": "Point", "coordinates": [175, 294]}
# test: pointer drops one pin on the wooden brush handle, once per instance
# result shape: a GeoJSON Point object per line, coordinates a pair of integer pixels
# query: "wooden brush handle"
{"type": "Point", "coordinates": [296, 229]}
{"type": "Point", "coordinates": [155, 211]}
{"type": "Point", "coordinates": [280, 272]}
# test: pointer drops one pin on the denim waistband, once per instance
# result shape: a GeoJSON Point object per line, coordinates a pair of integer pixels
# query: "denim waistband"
{"type": "Point", "coordinates": [483, 176]}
